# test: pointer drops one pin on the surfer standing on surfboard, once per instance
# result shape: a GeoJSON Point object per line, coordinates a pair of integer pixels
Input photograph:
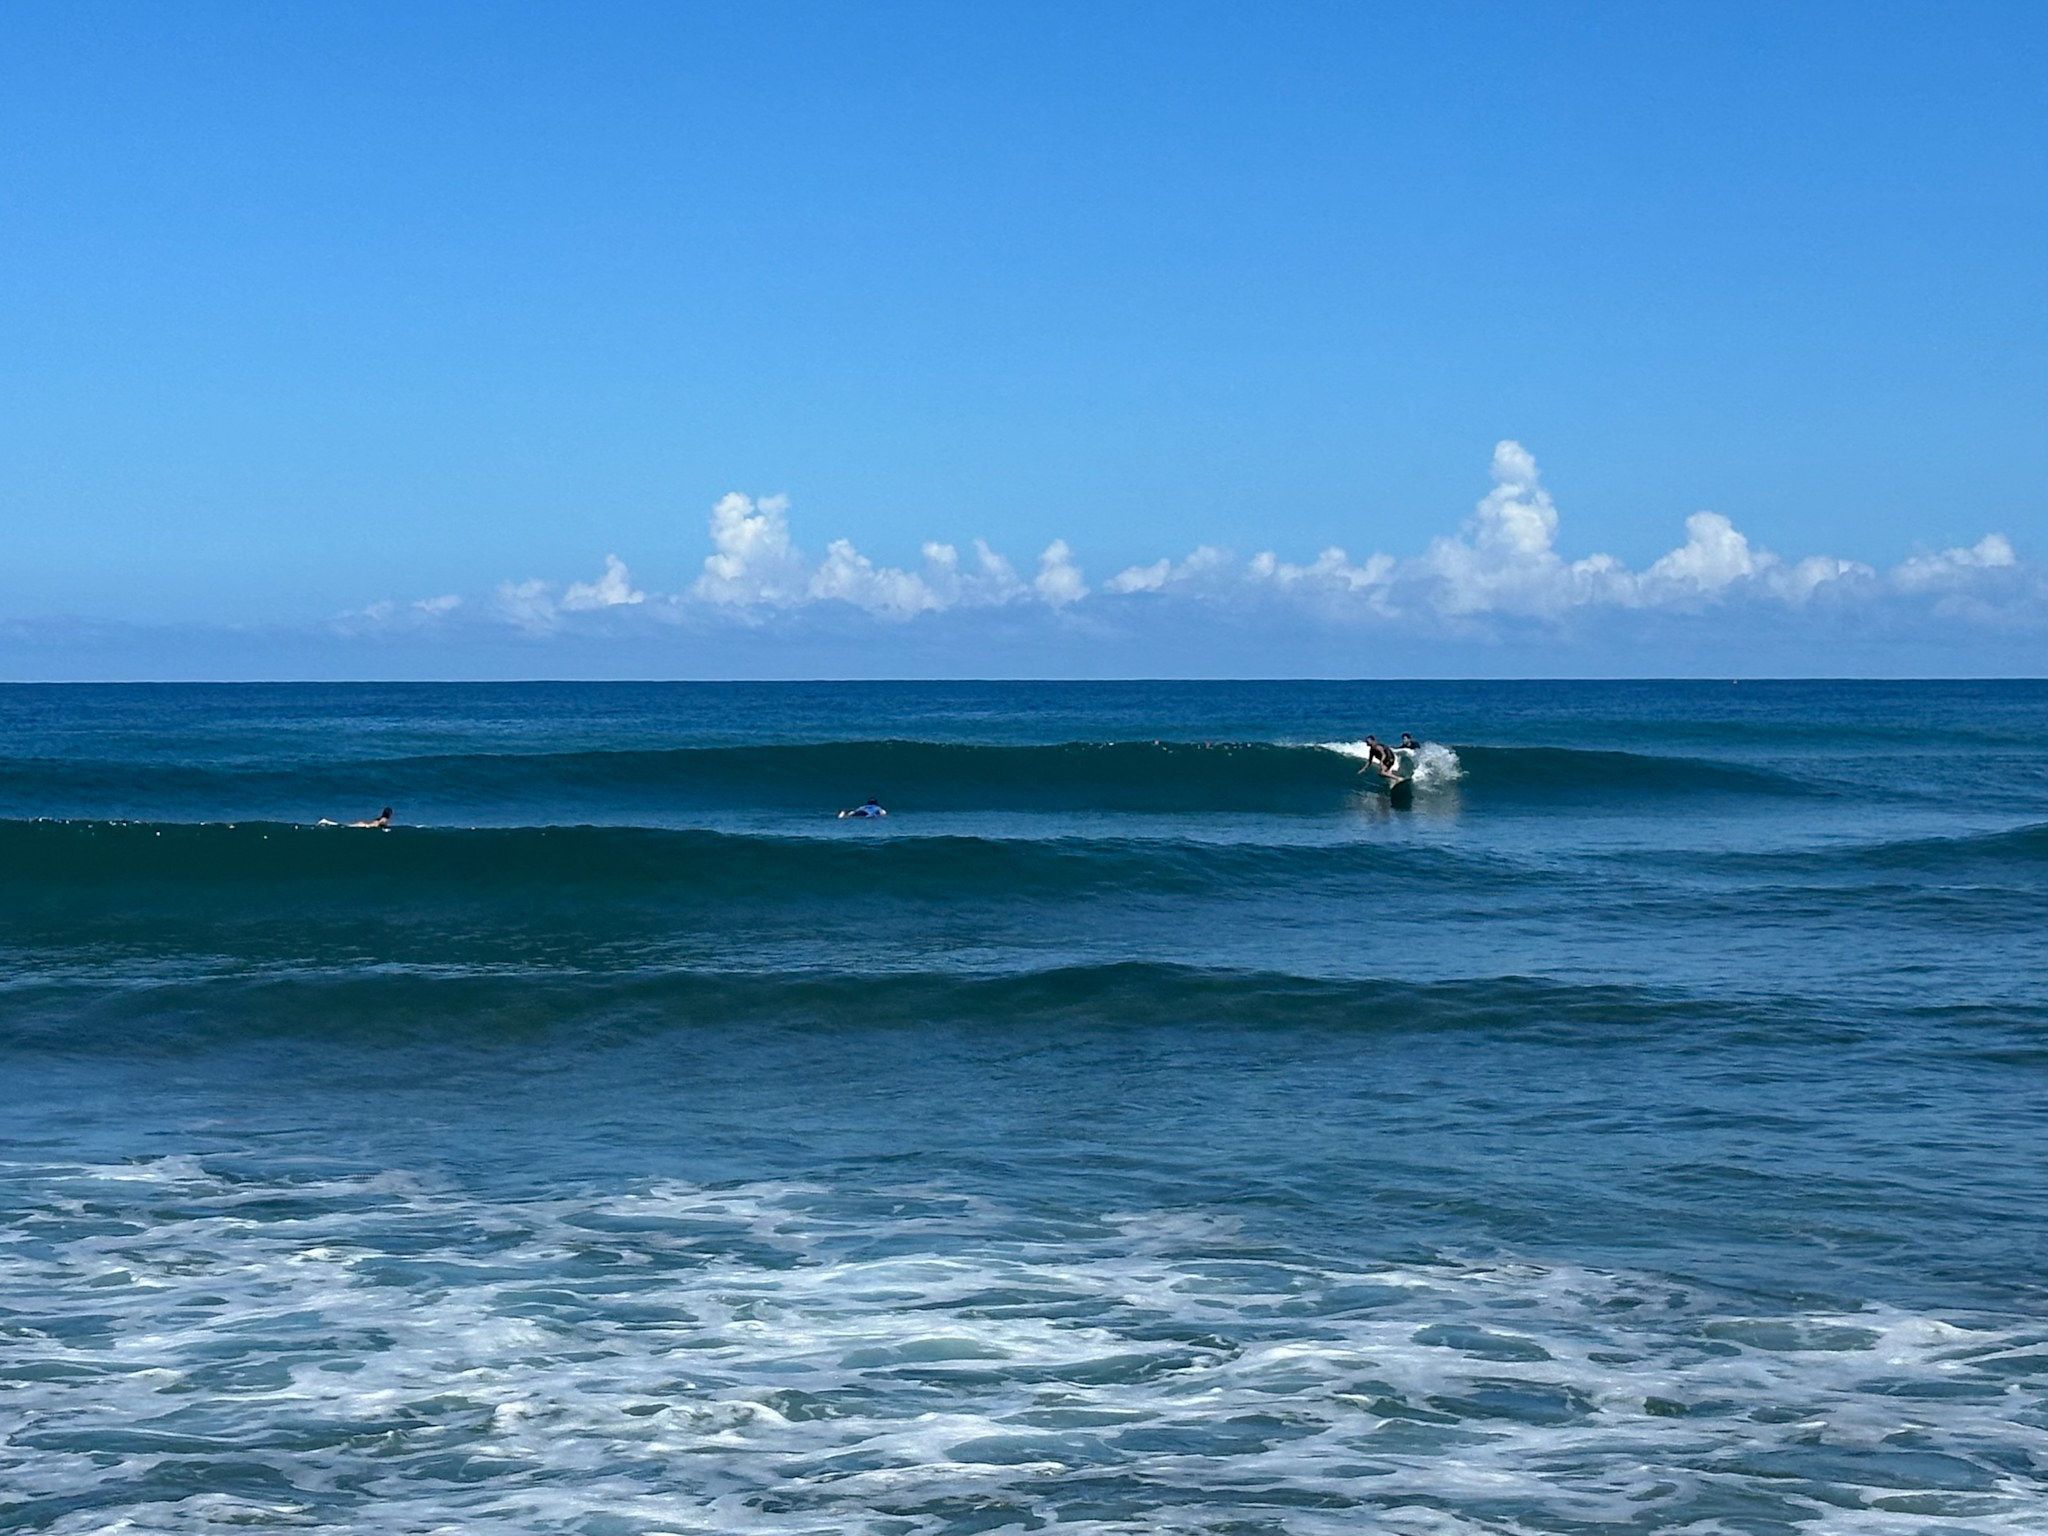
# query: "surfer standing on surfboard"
{"type": "Point", "coordinates": [1383, 757]}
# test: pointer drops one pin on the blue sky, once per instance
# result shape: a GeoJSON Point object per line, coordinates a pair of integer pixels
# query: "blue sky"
{"type": "Point", "coordinates": [353, 341]}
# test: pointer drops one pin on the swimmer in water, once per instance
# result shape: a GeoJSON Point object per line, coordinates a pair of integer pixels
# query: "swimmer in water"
{"type": "Point", "coordinates": [872, 808]}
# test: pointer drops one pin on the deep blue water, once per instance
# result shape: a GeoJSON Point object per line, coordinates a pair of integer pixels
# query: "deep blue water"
{"type": "Point", "coordinates": [1150, 1125]}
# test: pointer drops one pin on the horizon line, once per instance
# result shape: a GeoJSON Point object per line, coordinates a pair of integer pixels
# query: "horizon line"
{"type": "Point", "coordinates": [755, 682]}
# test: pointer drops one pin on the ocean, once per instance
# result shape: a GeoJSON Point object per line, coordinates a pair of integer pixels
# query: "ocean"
{"type": "Point", "coordinates": [1148, 1126]}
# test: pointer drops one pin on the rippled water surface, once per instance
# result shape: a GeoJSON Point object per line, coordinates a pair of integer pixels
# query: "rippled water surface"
{"type": "Point", "coordinates": [1152, 1125]}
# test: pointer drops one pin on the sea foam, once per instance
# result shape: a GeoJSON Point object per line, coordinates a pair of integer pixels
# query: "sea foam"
{"type": "Point", "coordinates": [339, 1352]}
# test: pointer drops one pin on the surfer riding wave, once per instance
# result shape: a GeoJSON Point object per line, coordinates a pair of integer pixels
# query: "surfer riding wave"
{"type": "Point", "coordinates": [1422, 764]}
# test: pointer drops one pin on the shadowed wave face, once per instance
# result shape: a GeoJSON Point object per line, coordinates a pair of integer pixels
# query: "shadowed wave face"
{"type": "Point", "coordinates": [1137, 777]}
{"type": "Point", "coordinates": [1152, 1124]}
{"type": "Point", "coordinates": [607, 897]}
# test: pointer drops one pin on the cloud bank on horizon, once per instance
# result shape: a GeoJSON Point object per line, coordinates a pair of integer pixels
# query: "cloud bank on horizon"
{"type": "Point", "coordinates": [1501, 569]}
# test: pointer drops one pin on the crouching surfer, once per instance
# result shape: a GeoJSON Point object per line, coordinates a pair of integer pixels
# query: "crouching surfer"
{"type": "Point", "coordinates": [1379, 755]}
{"type": "Point", "coordinates": [871, 808]}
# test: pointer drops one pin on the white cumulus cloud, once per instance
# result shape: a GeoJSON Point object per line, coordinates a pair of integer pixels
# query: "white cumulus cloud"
{"type": "Point", "coordinates": [754, 563]}
{"type": "Point", "coordinates": [1059, 578]}
{"type": "Point", "coordinates": [1717, 560]}
{"type": "Point", "coordinates": [990, 582]}
{"type": "Point", "coordinates": [1141, 578]}
{"type": "Point", "coordinates": [1955, 567]}
{"type": "Point", "coordinates": [1503, 562]}
{"type": "Point", "coordinates": [851, 577]}
{"type": "Point", "coordinates": [1798, 582]}
{"type": "Point", "coordinates": [1204, 562]}
{"type": "Point", "coordinates": [528, 605]}
{"type": "Point", "coordinates": [614, 589]}
{"type": "Point", "coordinates": [1713, 556]}
{"type": "Point", "coordinates": [1331, 571]}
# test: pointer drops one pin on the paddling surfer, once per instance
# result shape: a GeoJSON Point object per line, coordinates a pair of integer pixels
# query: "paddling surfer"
{"type": "Point", "coordinates": [381, 821]}
{"type": "Point", "coordinates": [871, 808]}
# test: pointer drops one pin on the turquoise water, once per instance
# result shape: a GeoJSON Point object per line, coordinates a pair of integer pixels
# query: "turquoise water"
{"type": "Point", "coordinates": [1149, 1126]}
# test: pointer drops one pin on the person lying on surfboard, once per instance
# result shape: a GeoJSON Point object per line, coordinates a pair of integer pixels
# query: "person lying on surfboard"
{"type": "Point", "coordinates": [381, 821]}
{"type": "Point", "coordinates": [872, 808]}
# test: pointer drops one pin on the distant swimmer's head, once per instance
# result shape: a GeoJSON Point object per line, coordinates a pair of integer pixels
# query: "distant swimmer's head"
{"type": "Point", "coordinates": [1409, 741]}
